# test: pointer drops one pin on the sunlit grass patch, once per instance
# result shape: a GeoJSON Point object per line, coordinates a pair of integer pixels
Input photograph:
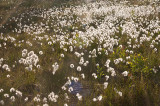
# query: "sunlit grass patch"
{"type": "Point", "coordinates": [95, 54]}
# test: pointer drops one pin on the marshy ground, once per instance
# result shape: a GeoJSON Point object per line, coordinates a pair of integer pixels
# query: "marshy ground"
{"type": "Point", "coordinates": [71, 53]}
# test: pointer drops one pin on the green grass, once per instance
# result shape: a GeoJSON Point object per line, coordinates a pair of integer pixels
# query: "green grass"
{"type": "Point", "coordinates": [140, 88]}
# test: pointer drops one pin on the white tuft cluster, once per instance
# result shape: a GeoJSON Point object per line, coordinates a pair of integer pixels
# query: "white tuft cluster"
{"type": "Point", "coordinates": [99, 98]}
{"type": "Point", "coordinates": [52, 97]}
{"type": "Point", "coordinates": [30, 59]}
{"type": "Point", "coordinates": [55, 67]}
{"type": "Point", "coordinates": [125, 73]}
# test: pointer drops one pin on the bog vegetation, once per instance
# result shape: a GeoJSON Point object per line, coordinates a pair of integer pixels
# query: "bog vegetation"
{"type": "Point", "coordinates": [76, 54]}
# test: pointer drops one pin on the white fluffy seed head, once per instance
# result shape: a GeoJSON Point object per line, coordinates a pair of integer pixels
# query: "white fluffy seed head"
{"type": "Point", "coordinates": [79, 68]}
{"type": "Point", "coordinates": [71, 65]}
